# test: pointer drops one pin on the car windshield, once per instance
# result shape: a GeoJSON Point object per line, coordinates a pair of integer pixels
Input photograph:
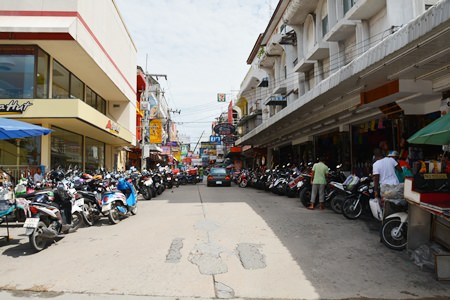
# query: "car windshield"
{"type": "Point", "coordinates": [218, 171]}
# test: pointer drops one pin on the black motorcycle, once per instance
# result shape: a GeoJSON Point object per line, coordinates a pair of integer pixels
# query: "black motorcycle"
{"type": "Point", "coordinates": [353, 206]}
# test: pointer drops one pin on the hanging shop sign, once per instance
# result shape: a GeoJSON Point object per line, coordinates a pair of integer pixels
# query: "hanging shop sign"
{"type": "Point", "coordinates": [230, 139]}
{"type": "Point", "coordinates": [224, 129]}
{"type": "Point", "coordinates": [155, 132]}
{"type": "Point", "coordinates": [214, 139]}
{"type": "Point", "coordinates": [13, 107]}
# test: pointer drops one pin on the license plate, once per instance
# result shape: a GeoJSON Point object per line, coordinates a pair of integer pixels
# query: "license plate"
{"type": "Point", "coordinates": [31, 223]}
{"type": "Point", "coordinates": [218, 182]}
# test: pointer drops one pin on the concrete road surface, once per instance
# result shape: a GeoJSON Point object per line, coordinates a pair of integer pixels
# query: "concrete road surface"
{"type": "Point", "coordinates": [216, 242]}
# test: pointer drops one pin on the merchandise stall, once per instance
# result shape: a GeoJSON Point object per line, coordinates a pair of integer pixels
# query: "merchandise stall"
{"type": "Point", "coordinates": [428, 196]}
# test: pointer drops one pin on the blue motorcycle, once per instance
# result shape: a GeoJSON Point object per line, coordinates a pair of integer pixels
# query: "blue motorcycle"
{"type": "Point", "coordinates": [120, 202]}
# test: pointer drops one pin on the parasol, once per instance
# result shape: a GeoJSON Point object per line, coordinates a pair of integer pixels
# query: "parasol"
{"type": "Point", "coordinates": [435, 133]}
{"type": "Point", "coordinates": [12, 129]}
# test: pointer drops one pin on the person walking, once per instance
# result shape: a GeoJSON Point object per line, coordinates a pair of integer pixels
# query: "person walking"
{"type": "Point", "coordinates": [319, 181]}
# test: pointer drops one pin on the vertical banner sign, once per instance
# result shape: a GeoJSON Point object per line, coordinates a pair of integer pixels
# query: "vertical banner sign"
{"type": "Point", "coordinates": [221, 97]}
{"type": "Point", "coordinates": [230, 112]}
{"type": "Point", "coordinates": [155, 132]}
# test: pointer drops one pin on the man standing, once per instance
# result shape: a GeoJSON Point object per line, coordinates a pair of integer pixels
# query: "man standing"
{"type": "Point", "coordinates": [384, 171]}
{"type": "Point", "coordinates": [38, 176]}
{"type": "Point", "coordinates": [319, 181]}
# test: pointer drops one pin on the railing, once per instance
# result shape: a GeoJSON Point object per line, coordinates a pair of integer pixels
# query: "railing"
{"type": "Point", "coordinates": [17, 171]}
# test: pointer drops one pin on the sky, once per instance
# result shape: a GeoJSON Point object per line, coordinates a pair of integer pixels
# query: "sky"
{"type": "Point", "coordinates": [202, 46]}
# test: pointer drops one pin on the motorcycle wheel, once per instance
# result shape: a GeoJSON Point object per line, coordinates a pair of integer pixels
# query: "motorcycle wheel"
{"type": "Point", "coordinates": [350, 209]}
{"type": "Point", "coordinates": [133, 209]}
{"type": "Point", "coordinates": [392, 237]}
{"type": "Point", "coordinates": [336, 204]}
{"type": "Point", "coordinates": [147, 193]}
{"type": "Point", "coordinates": [77, 220]}
{"type": "Point", "coordinates": [243, 183]}
{"type": "Point", "coordinates": [36, 240]}
{"type": "Point", "coordinates": [88, 216]}
{"type": "Point", "coordinates": [305, 196]}
{"type": "Point", "coordinates": [114, 216]}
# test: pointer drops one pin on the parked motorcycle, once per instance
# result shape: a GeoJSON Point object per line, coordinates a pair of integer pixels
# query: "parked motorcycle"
{"type": "Point", "coordinates": [394, 232]}
{"type": "Point", "coordinates": [51, 215]}
{"type": "Point", "coordinates": [119, 203]}
{"type": "Point", "coordinates": [353, 206]}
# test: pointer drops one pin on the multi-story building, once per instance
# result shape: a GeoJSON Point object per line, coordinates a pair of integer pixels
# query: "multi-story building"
{"type": "Point", "coordinates": [69, 66]}
{"type": "Point", "coordinates": [346, 76]}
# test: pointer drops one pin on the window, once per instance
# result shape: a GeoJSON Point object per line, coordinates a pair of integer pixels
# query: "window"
{"type": "Point", "coordinates": [324, 18]}
{"type": "Point", "coordinates": [101, 104]}
{"type": "Point", "coordinates": [325, 25]}
{"type": "Point", "coordinates": [95, 100]}
{"type": "Point", "coordinates": [61, 78]}
{"type": "Point", "coordinates": [348, 4]}
{"type": "Point", "coordinates": [91, 97]}
{"type": "Point", "coordinates": [66, 148]}
{"type": "Point", "coordinates": [76, 88]}
{"type": "Point", "coordinates": [17, 72]}
{"type": "Point", "coordinates": [25, 151]}
{"type": "Point", "coordinates": [95, 154]}
{"type": "Point", "coordinates": [42, 75]}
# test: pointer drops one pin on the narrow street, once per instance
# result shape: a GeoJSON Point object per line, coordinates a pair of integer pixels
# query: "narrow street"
{"type": "Point", "coordinates": [202, 242]}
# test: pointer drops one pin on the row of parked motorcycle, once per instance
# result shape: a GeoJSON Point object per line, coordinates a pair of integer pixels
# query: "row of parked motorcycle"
{"type": "Point", "coordinates": [66, 199]}
{"type": "Point", "coordinates": [349, 195]}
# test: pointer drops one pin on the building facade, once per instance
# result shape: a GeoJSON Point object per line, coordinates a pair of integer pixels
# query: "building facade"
{"type": "Point", "coordinates": [69, 66]}
{"type": "Point", "coordinates": [346, 76]}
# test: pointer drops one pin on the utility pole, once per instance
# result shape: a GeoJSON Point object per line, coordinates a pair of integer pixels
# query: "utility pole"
{"type": "Point", "coordinates": [198, 141]}
{"type": "Point", "coordinates": [169, 125]}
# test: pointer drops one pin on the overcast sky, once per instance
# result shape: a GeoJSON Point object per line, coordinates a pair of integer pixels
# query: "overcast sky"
{"type": "Point", "coordinates": [201, 45]}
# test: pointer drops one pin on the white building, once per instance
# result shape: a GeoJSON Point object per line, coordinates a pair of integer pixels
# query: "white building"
{"type": "Point", "coordinates": [74, 62]}
{"type": "Point", "coordinates": [345, 74]}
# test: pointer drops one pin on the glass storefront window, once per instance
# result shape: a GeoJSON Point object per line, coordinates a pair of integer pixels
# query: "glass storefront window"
{"type": "Point", "coordinates": [24, 152]}
{"type": "Point", "coordinates": [95, 154]}
{"type": "Point", "coordinates": [67, 149]}
{"type": "Point", "coordinates": [17, 72]}
{"type": "Point", "coordinates": [42, 75]}
{"type": "Point", "coordinates": [60, 86]}
{"type": "Point", "coordinates": [76, 88]}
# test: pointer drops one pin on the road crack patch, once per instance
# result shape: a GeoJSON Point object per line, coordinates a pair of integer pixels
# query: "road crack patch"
{"type": "Point", "coordinates": [250, 256]}
{"type": "Point", "coordinates": [223, 291]}
{"type": "Point", "coordinates": [174, 254]}
{"type": "Point", "coordinates": [207, 258]}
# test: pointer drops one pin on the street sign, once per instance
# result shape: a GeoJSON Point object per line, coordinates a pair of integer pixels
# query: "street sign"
{"type": "Point", "coordinates": [230, 139]}
{"type": "Point", "coordinates": [215, 139]}
{"type": "Point", "coordinates": [224, 129]}
{"type": "Point", "coordinates": [221, 97]}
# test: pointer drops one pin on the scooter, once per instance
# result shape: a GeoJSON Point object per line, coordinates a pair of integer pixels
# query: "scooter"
{"type": "Point", "coordinates": [119, 203]}
{"type": "Point", "coordinates": [48, 219]}
{"type": "Point", "coordinates": [394, 232]}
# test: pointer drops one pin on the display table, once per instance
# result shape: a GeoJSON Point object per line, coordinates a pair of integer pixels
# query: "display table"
{"type": "Point", "coordinates": [428, 220]}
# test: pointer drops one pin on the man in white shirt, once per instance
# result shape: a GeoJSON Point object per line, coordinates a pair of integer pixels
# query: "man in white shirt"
{"type": "Point", "coordinates": [384, 171]}
{"type": "Point", "coordinates": [38, 176]}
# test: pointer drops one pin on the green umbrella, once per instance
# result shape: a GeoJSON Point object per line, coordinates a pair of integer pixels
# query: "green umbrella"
{"type": "Point", "coordinates": [435, 133]}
